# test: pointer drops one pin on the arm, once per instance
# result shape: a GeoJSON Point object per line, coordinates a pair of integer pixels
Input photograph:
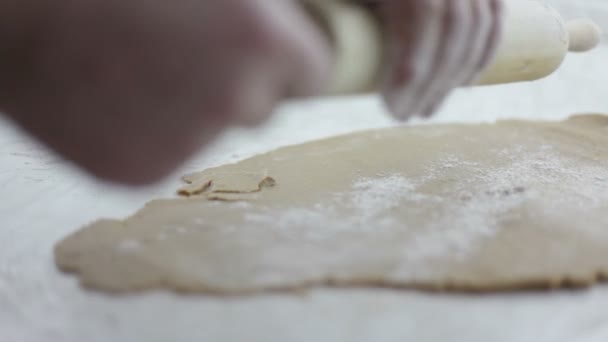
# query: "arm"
{"type": "Point", "coordinates": [128, 89]}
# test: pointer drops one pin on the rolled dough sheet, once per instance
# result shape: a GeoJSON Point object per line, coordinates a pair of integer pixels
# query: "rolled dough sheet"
{"type": "Point", "coordinates": [486, 207]}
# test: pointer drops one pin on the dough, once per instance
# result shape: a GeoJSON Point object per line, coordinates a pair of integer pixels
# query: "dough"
{"type": "Point", "coordinates": [512, 205]}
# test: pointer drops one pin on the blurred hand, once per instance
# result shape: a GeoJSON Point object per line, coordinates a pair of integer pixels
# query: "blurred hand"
{"type": "Point", "coordinates": [128, 89]}
{"type": "Point", "coordinates": [435, 46]}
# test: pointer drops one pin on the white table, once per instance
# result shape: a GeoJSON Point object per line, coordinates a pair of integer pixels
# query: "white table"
{"type": "Point", "coordinates": [43, 199]}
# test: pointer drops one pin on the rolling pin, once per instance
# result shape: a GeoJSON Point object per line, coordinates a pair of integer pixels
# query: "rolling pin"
{"type": "Point", "coordinates": [535, 41]}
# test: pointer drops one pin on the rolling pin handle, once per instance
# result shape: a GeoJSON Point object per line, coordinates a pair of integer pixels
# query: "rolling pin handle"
{"type": "Point", "coordinates": [585, 35]}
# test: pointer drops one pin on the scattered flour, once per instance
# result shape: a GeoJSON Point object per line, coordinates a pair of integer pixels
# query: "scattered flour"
{"type": "Point", "coordinates": [368, 200]}
{"type": "Point", "coordinates": [458, 224]}
{"type": "Point", "coordinates": [451, 222]}
{"type": "Point", "coordinates": [128, 246]}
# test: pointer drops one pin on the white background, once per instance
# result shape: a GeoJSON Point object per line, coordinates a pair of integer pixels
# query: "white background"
{"type": "Point", "coordinates": [42, 199]}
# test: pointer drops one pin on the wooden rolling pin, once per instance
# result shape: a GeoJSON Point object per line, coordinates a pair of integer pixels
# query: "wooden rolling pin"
{"type": "Point", "coordinates": [535, 42]}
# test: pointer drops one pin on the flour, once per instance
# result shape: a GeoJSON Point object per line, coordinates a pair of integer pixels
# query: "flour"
{"type": "Point", "coordinates": [368, 201]}
{"type": "Point", "coordinates": [458, 227]}
{"type": "Point", "coordinates": [370, 197]}
{"type": "Point", "coordinates": [452, 230]}
{"type": "Point", "coordinates": [565, 184]}
{"type": "Point", "coordinates": [128, 246]}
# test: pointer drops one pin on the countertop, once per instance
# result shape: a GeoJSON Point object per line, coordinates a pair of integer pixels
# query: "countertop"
{"type": "Point", "coordinates": [44, 198]}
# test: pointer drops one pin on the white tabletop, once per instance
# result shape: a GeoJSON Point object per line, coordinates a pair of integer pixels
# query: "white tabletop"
{"type": "Point", "coordinates": [43, 199]}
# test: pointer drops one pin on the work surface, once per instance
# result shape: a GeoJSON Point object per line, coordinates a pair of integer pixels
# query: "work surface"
{"type": "Point", "coordinates": [44, 199]}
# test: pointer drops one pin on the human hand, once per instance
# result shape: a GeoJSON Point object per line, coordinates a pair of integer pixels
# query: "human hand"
{"type": "Point", "coordinates": [434, 47]}
{"type": "Point", "coordinates": [128, 89]}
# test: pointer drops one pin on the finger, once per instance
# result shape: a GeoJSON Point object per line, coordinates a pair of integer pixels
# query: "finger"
{"type": "Point", "coordinates": [402, 40]}
{"type": "Point", "coordinates": [464, 46]}
{"type": "Point", "coordinates": [416, 61]}
{"type": "Point", "coordinates": [489, 21]}
{"type": "Point", "coordinates": [291, 60]}
{"type": "Point", "coordinates": [497, 12]}
{"type": "Point", "coordinates": [437, 79]}
{"type": "Point", "coordinates": [452, 55]}
{"type": "Point", "coordinates": [307, 50]}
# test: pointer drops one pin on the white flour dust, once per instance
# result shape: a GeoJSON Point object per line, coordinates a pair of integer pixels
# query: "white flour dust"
{"type": "Point", "coordinates": [433, 216]}
{"type": "Point", "coordinates": [128, 246]}
{"type": "Point", "coordinates": [370, 207]}
{"type": "Point", "coordinates": [366, 203]}
{"type": "Point", "coordinates": [563, 181]}
{"type": "Point", "coordinates": [458, 217]}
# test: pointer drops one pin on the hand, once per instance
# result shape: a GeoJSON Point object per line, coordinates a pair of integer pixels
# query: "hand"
{"type": "Point", "coordinates": [435, 46]}
{"type": "Point", "coordinates": [128, 89]}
